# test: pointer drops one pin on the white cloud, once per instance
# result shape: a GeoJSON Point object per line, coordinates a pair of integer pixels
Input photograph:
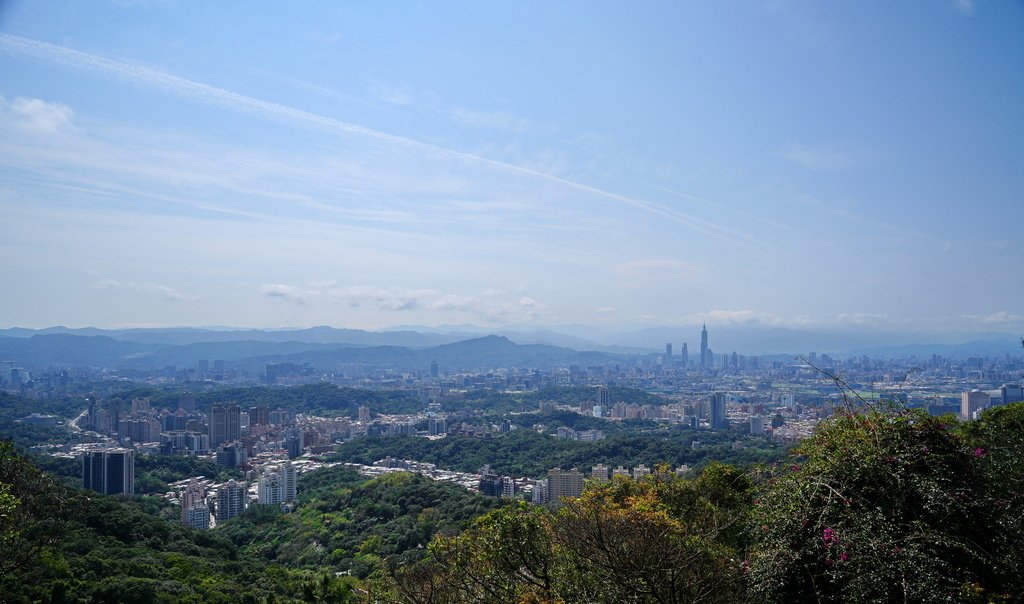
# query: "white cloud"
{"type": "Point", "coordinates": [604, 310]}
{"type": "Point", "coordinates": [38, 115]}
{"type": "Point", "coordinates": [862, 318]}
{"type": "Point", "coordinates": [288, 293]}
{"type": "Point", "coordinates": [492, 305]}
{"type": "Point", "coordinates": [218, 97]}
{"type": "Point", "coordinates": [1002, 316]}
{"type": "Point", "coordinates": [163, 291]}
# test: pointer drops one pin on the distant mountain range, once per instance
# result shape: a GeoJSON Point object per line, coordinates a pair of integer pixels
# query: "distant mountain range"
{"type": "Point", "coordinates": [457, 347]}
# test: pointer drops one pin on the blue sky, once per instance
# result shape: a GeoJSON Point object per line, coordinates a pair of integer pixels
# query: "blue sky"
{"type": "Point", "coordinates": [791, 163]}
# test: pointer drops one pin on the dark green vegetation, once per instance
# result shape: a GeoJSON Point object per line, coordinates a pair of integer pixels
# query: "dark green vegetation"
{"type": "Point", "coordinates": [527, 453]}
{"type": "Point", "coordinates": [875, 507]}
{"type": "Point", "coordinates": [24, 435]}
{"type": "Point", "coordinates": [348, 523]}
{"type": "Point", "coordinates": [64, 545]}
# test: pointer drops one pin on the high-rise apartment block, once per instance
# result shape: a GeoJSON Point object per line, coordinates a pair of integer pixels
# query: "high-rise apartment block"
{"type": "Point", "coordinates": [232, 499]}
{"type": "Point", "coordinates": [973, 401]}
{"type": "Point", "coordinates": [194, 511]}
{"type": "Point", "coordinates": [564, 484]}
{"type": "Point", "coordinates": [225, 423]}
{"type": "Point", "coordinates": [717, 411]}
{"type": "Point", "coordinates": [110, 471]}
{"type": "Point", "coordinates": [278, 484]}
{"type": "Point", "coordinates": [1011, 393]}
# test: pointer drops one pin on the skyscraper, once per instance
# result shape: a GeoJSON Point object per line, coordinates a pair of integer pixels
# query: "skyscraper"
{"type": "Point", "coordinates": [717, 415]}
{"type": "Point", "coordinates": [668, 355]}
{"type": "Point", "coordinates": [110, 471]}
{"type": "Point", "coordinates": [705, 362]}
{"type": "Point", "coordinates": [684, 356]}
{"type": "Point", "coordinates": [225, 423]}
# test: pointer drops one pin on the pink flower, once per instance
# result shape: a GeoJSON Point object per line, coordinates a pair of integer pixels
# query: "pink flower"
{"type": "Point", "coordinates": [844, 556]}
{"type": "Point", "coordinates": [979, 452]}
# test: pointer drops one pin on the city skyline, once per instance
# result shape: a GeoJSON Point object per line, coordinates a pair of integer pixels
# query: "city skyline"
{"type": "Point", "coordinates": [770, 163]}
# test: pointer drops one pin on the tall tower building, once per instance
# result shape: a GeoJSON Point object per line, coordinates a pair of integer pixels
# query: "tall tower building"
{"type": "Point", "coordinates": [717, 415]}
{"type": "Point", "coordinates": [231, 500]}
{"type": "Point", "coordinates": [259, 415]}
{"type": "Point", "coordinates": [973, 401]}
{"type": "Point", "coordinates": [110, 471]}
{"type": "Point", "coordinates": [668, 355]}
{"type": "Point", "coordinates": [684, 356]}
{"type": "Point", "coordinates": [705, 362]}
{"type": "Point", "coordinates": [225, 423]}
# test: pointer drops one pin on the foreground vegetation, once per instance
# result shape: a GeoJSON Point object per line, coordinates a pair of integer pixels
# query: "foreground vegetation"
{"type": "Point", "coordinates": [875, 507]}
{"type": "Point", "coordinates": [60, 544]}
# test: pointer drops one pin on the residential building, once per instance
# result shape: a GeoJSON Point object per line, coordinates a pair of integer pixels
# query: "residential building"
{"type": "Point", "coordinates": [110, 471]}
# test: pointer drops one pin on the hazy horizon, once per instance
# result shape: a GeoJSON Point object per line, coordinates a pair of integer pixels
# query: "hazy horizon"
{"type": "Point", "coordinates": [772, 163]}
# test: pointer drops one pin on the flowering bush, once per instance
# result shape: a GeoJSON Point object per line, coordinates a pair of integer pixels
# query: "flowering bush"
{"type": "Point", "coordinates": [887, 506]}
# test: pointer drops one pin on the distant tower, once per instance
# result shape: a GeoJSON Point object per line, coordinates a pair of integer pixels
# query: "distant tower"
{"type": "Point", "coordinates": [705, 362]}
{"type": "Point", "coordinates": [717, 419]}
{"type": "Point", "coordinates": [668, 355]}
{"type": "Point", "coordinates": [684, 355]}
{"type": "Point", "coordinates": [433, 369]}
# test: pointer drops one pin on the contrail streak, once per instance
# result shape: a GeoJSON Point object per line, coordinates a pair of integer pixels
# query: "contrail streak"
{"type": "Point", "coordinates": [232, 101]}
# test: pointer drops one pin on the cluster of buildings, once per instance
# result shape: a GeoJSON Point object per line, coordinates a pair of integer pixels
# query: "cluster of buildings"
{"type": "Point", "coordinates": [974, 401]}
{"type": "Point", "coordinates": [112, 471]}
